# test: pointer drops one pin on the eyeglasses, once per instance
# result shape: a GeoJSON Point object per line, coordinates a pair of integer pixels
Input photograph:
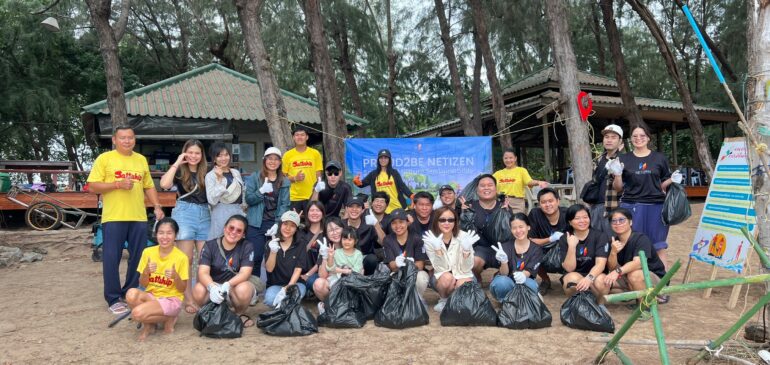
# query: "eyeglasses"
{"type": "Point", "coordinates": [619, 221]}
{"type": "Point", "coordinates": [234, 229]}
{"type": "Point", "coordinates": [446, 220]}
{"type": "Point", "coordinates": [332, 173]}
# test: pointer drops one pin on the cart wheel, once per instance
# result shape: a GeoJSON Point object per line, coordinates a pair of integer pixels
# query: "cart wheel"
{"type": "Point", "coordinates": [43, 216]}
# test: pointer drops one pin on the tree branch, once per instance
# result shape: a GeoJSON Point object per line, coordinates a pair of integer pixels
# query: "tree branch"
{"type": "Point", "coordinates": [119, 28]}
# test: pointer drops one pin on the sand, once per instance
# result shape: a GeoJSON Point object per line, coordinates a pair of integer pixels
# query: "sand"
{"type": "Point", "coordinates": [53, 312]}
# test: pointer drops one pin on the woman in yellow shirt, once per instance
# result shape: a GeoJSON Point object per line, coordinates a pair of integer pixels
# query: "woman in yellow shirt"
{"type": "Point", "coordinates": [512, 180]}
{"type": "Point", "coordinates": [163, 271]}
{"type": "Point", "coordinates": [388, 180]}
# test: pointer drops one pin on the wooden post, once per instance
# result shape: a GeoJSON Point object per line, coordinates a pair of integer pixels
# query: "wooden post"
{"type": "Point", "coordinates": [547, 149]}
{"type": "Point", "coordinates": [707, 292]}
{"type": "Point", "coordinates": [658, 141]}
{"type": "Point", "coordinates": [673, 147]}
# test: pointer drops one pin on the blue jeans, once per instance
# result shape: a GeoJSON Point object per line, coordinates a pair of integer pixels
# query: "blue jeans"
{"type": "Point", "coordinates": [272, 291]}
{"type": "Point", "coordinates": [115, 234]}
{"type": "Point", "coordinates": [257, 238]}
{"type": "Point", "coordinates": [502, 285]}
{"type": "Point", "coordinates": [194, 220]}
{"type": "Point", "coordinates": [310, 280]}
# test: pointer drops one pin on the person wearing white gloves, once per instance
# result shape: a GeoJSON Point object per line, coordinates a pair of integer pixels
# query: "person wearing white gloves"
{"type": "Point", "coordinates": [401, 245]}
{"type": "Point", "coordinates": [366, 236]}
{"type": "Point", "coordinates": [519, 260]}
{"type": "Point", "coordinates": [267, 198]}
{"type": "Point", "coordinates": [286, 260]}
{"type": "Point", "coordinates": [450, 251]}
{"type": "Point", "coordinates": [335, 193]}
{"type": "Point", "coordinates": [642, 176]}
{"type": "Point", "coordinates": [335, 263]}
{"type": "Point", "coordinates": [547, 226]}
{"type": "Point", "coordinates": [224, 270]}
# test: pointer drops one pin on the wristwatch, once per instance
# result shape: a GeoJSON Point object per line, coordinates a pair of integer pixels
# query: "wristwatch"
{"type": "Point", "coordinates": [590, 277]}
{"type": "Point", "coordinates": [619, 270]}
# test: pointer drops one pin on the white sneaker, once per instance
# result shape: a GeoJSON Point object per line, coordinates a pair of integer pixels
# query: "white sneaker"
{"type": "Point", "coordinates": [440, 305]}
{"type": "Point", "coordinates": [321, 308]}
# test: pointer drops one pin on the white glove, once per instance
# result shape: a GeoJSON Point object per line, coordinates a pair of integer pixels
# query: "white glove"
{"type": "Point", "coordinates": [519, 277]}
{"type": "Point", "coordinates": [225, 289]}
{"type": "Point", "coordinates": [273, 230]}
{"type": "Point", "coordinates": [500, 255]}
{"type": "Point", "coordinates": [267, 187]}
{"type": "Point", "coordinates": [370, 218]}
{"type": "Point", "coordinates": [215, 293]}
{"type": "Point", "coordinates": [323, 248]}
{"type": "Point", "coordinates": [437, 204]}
{"type": "Point", "coordinates": [279, 298]}
{"type": "Point", "coordinates": [274, 245]}
{"type": "Point", "coordinates": [468, 240]}
{"type": "Point", "coordinates": [432, 240]}
{"type": "Point", "coordinates": [614, 166]}
{"type": "Point", "coordinates": [320, 186]}
{"type": "Point", "coordinates": [400, 261]}
{"type": "Point", "coordinates": [677, 177]}
{"type": "Point", "coordinates": [556, 236]}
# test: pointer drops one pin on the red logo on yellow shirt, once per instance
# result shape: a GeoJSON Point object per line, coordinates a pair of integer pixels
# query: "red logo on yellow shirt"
{"type": "Point", "coordinates": [507, 180]}
{"type": "Point", "coordinates": [122, 175]}
{"type": "Point", "coordinates": [302, 164]}
{"type": "Point", "coordinates": [384, 183]}
{"type": "Point", "coordinates": [161, 280]}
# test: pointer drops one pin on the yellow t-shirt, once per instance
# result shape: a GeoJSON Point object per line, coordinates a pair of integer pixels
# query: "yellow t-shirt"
{"type": "Point", "coordinates": [512, 182]}
{"type": "Point", "coordinates": [160, 286]}
{"type": "Point", "coordinates": [123, 205]}
{"type": "Point", "coordinates": [309, 162]}
{"type": "Point", "coordinates": [386, 184]}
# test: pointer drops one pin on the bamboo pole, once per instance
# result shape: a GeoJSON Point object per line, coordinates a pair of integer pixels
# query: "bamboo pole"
{"type": "Point", "coordinates": [755, 279]}
{"type": "Point", "coordinates": [659, 335]}
{"type": "Point", "coordinates": [625, 360]}
{"type": "Point", "coordinates": [699, 344]}
{"type": "Point", "coordinates": [759, 250]}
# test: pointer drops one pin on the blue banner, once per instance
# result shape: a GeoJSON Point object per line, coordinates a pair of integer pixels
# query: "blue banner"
{"type": "Point", "coordinates": [424, 163]}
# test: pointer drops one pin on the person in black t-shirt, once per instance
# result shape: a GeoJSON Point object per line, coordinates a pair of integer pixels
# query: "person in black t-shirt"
{"type": "Point", "coordinates": [365, 234]}
{"type": "Point", "coordinates": [623, 264]}
{"type": "Point", "coordinates": [421, 217]}
{"type": "Point", "coordinates": [310, 235]}
{"type": "Point", "coordinates": [519, 259]}
{"type": "Point", "coordinates": [484, 208]}
{"type": "Point", "coordinates": [286, 261]}
{"type": "Point", "coordinates": [402, 245]}
{"type": "Point", "coordinates": [583, 252]}
{"type": "Point", "coordinates": [225, 267]}
{"type": "Point", "coordinates": [547, 227]}
{"type": "Point", "coordinates": [191, 212]}
{"type": "Point", "coordinates": [375, 216]}
{"type": "Point", "coordinates": [337, 193]}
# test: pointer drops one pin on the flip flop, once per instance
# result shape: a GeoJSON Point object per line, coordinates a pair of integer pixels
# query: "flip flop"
{"type": "Point", "coordinates": [248, 322]}
{"type": "Point", "coordinates": [663, 299]}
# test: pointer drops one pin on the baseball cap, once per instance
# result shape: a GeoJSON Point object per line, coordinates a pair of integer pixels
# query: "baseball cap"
{"type": "Point", "coordinates": [272, 151]}
{"type": "Point", "coordinates": [614, 128]}
{"type": "Point", "coordinates": [333, 165]}
{"type": "Point", "coordinates": [356, 200]}
{"type": "Point", "coordinates": [290, 216]}
{"type": "Point", "coordinates": [398, 214]}
{"type": "Point", "coordinates": [383, 152]}
{"type": "Point", "coordinates": [445, 187]}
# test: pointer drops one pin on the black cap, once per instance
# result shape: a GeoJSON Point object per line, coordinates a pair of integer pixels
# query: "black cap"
{"type": "Point", "coordinates": [383, 152]}
{"type": "Point", "coordinates": [445, 187]}
{"type": "Point", "coordinates": [333, 165]}
{"type": "Point", "coordinates": [356, 200]}
{"type": "Point", "coordinates": [398, 214]}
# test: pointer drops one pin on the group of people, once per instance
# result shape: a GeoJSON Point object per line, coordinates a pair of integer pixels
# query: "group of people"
{"type": "Point", "coordinates": [297, 222]}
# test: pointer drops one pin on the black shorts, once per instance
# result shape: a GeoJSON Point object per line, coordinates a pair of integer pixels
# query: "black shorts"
{"type": "Point", "coordinates": [299, 206]}
{"type": "Point", "coordinates": [488, 255]}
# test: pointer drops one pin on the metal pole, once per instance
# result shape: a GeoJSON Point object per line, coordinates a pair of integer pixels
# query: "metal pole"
{"type": "Point", "coordinates": [654, 310]}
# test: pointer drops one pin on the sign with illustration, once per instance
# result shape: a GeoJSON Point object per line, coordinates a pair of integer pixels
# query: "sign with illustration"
{"type": "Point", "coordinates": [729, 206]}
{"type": "Point", "coordinates": [424, 163]}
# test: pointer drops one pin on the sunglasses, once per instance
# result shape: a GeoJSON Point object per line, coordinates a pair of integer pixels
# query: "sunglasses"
{"type": "Point", "coordinates": [234, 229]}
{"type": "Point", "coordinates": [446, 220]}
{"type": "Point", "coordinates": [619, 221]}
{"type": "Point", "coordinates": [332, 173]}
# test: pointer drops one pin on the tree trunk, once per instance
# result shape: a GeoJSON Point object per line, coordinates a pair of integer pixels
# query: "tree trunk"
{"type": "Point", "coordinates": [100, 11]}
{"type": "Point", "coordinates": [630, 109]}
{"type": "Point", "coordinates": [340, 37]}
{"type": "Point", "coordinates": [758, 111]}
{"type": "Point", "coordinates": [498, 104]}
{"type": "Point", "coordinates": [449, 51]}
{"type": "Point", "coordinates": [596, 29]}
{"type": "Point", "coordinates": [329, 102]}
{"type": "Point", "coordinates": [564, 58]}
{"type": "Point", "coordinates": [184, 37]}
{"type": "Point", "coordinates": [392, 59]}
{"type": "Point", "coordinates": [696, 128]}
{"type": "Point", "coordinates": [476, 86]}
{"type": "Point", "coordinates": [272, 101]}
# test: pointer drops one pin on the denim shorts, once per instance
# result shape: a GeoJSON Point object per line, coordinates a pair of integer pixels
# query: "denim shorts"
{"type": "Point", "coordinates": [193, 220]}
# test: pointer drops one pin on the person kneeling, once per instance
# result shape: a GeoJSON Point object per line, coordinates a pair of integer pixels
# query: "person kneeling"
{"type": "Point", "coordinates": [163, 271]}
{"type": "Point", "coordinates": [526, 259]}
{"type": "Point", "coordinates": [286, 262]}
{"type": "Point", "coordinates": [336, 263]}
{"type": "Point", "coordinates": [583, 252]}
{"type": "Point", "coordinates": [225, 268]}
{"type": "Point", "coordinates": [401, 245]}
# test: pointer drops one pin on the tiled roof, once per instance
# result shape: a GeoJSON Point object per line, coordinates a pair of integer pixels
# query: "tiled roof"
{"type": "Point", "coordinates": [549, 74]}
{"type": "Point", "coordinates": [648, 103]}
{"type": "Point", "coordinates": [212, 92]}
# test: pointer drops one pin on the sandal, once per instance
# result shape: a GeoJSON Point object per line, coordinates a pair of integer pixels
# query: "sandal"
{"type": "Point", "coordinates": [248, 322]}
{"type": "Point", "coordinates": [663, 299]}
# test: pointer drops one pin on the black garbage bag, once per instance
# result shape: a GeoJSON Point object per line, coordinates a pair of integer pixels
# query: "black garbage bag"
{"type": "Point", "coordinates": [372, 289]}
{"type": "Point", "coordinates": [218, 321]}
{"type": "Point", "coordinates": [469, 191]}
{"type": "Point", "coordinates": [676, 208]}
{"type": "Point", "coordinates": [290, 319]}
{"type": "Point", "coordinates": [402, 307]}
{"type": "Point", "coordinates": [468, 306]}
{"type": "Point", "coordinates": [581, 311]}
{"type": "Point", "coordinates": [552, 258]}
{"type": "Point", "coordinates": [498, 227]}
{"type": "Point", "coordinates": [467, 220]}
{"type": "Point", "coordinates": [344, 307]}
{"type": "Point", "coordinates": [522, 308]}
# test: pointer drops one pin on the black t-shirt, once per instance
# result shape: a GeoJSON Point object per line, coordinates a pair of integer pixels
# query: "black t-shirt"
{"type": "Point", "coordinates": [481, 218]}
{"type": "Point", "coordinates": [413, 248]}
{"type": "Point", "coordinates": [241, 255]}
{"type": "Point", "coordinates": [540, 227]}
{"type": "Point", "coordinates": [311, 250]}
{"type": "Point", "coordinates": [335, 198]}
{"type": "Point", "coordinates": [367, 238]}
{"type": "Point", "coordinates": [642, 177]}
{"type": "Point", "coordinates": [384, 222]}
{"type": "Point", "coordinates": [287, 261]}
{"type": "Point", "coordinates": [229, 177]}
{"type": "Point", "coordinates": [640, 242]}
{"type": "Point", "coordinates": [418, 227]}
{"type": "Point", "coordinates": [596, 244]}
{"type": "Point", "coordinates": [528, 260]}
{"type": "Point", "coordinates": [270, 201]}
{"type": "Point", "coordinates": [198, 197]}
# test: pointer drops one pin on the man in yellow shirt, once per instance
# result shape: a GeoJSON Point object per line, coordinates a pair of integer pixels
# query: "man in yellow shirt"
{"type": "Point", "coordinates": [303, 166]}
{"type": "Point", "coordinates": [122, 177]}
{"type": "Point", "coordinates": [512, 180]}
